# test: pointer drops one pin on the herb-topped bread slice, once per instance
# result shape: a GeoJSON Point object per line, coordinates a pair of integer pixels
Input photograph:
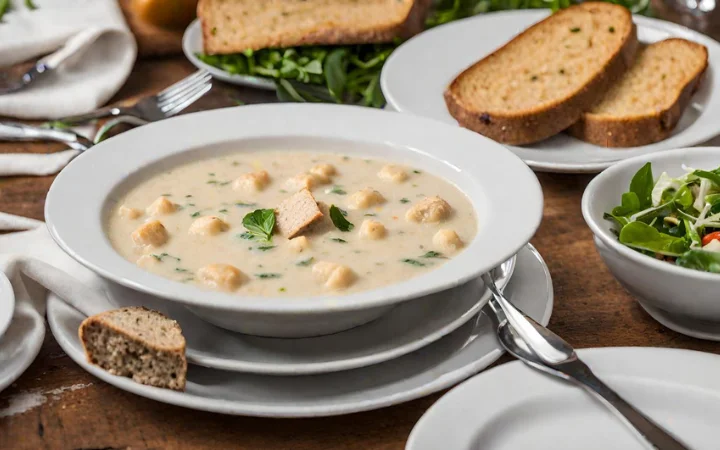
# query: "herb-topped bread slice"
{"type": "Point", "coordinates": [542, 81]}
{"type": "Point", "coordinates": [138, 343]}
{"type": "Point", "coordinates": [647, 103]}
{"type": "Point", "coordinates": [233, 26]}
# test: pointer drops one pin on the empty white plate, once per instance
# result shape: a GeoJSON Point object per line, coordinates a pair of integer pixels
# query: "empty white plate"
{"type": "Point", "coordinates": [409, 326]}
{"type": "Point", "coordinates": [453, 358]}
{"type": "Point", "coordinates": [417, 73]}
{"type": "Point", "coordinates": [515, 407]}
{"type": "Point", "coordinates": [193, 44]}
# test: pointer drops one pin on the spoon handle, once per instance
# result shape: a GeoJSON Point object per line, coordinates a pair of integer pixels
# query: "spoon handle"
{"type": "Point", "coordinates": [648, 432]}
{"type": "Point", "coordinates": [546, 344]}
{"type": "Point", "coordinates": [13, 131]}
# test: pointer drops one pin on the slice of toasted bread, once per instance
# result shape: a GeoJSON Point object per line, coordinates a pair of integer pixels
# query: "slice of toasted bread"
{"type": "Point", "coordinates": [542, 81]}
{"type": "Point", "coordinates": [232, 26]}
{"type": "Point", "coordinates": [648, 101]}
{"type": "Point", "coordinates": [296, 213]}
{"type": "Point", "coordinates": [138, 343]}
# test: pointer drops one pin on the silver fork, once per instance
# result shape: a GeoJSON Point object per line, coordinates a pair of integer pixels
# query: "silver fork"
{"type": "Point", "coordinates": [161, 106]}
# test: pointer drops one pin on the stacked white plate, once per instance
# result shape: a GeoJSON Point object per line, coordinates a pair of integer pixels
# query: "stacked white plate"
{"type": "Point", "coordinates": [411, 352]}
{"type": "Point", "coordinates": [328, 354]}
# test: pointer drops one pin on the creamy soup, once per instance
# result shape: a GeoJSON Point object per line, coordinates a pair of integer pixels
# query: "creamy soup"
{"type": "Point", "coordinates": [291, 223]}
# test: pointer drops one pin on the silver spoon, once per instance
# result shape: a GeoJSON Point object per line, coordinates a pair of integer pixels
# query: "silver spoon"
{"type": "Point", "coordinates": [569, 368]}
{"type": "Point", "coordinates": [14, 131]}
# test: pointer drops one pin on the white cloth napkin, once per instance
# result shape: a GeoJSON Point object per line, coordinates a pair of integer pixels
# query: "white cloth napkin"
{"type": "Point", "coordinates": [31, 261]}
{"type": "Point", "coordinates": [84, 82]}
{"type": "Point", "coordinates": [14, 164]}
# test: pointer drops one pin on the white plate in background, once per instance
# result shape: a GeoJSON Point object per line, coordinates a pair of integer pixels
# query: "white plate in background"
{"type": "Point", "coordinates": [416, 74]}
{"type": "Point", "coordinates": [192, 43]}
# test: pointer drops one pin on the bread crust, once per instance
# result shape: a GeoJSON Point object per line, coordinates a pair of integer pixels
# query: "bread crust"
{"type": "Point", "coordinates": [413, 24]}
{"type": "Point", "coordinates": [540, 123]}
{"type": "Point", "coordinates": [634, 132]}
{"type": "Point", "coordinates": [99, 319]}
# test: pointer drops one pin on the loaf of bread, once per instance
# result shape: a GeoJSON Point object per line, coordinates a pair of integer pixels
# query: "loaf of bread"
{"type": "Point", "coordinates": [137, 343]}
{"type": "Point", "coordinates": [542, 81]}
{"type": "Point", "coordinates": [233, 26]}
{"type": "Point", "coordinates": [648, 101]}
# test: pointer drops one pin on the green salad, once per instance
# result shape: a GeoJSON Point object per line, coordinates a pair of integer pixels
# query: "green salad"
{"type": "Point", "coordinates": [672, 219]}
{"type": "Point", "coordinates": [351, 73]}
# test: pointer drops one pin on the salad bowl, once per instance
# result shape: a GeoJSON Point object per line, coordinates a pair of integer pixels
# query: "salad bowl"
{"type": "Point", "coordinates": [663, 287]}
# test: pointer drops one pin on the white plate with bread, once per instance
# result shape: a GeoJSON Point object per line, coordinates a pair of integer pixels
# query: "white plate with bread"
{"type": "Point", "coordinates": [193, 44]}
{"type": "Point", "coordinates": [227, 28]}
{"type": "Point", "coordinates": [572, 92]}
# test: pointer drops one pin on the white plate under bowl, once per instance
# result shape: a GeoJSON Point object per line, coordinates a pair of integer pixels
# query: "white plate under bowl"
{"type": "Point", "coordinates": [406, 328]}
{"type": "Point", "coordinates": [193, 43]}
{"type": "Point", "coordinates": [515, 407]}
{"type": "Point", "coordinates": [453, 358]}
{"type": "Point", "coordinates": [416, 74]}
{"type": "Point", "coordinates": [85, 191]}
{"type": "Point", "coordinates": [700, 329]}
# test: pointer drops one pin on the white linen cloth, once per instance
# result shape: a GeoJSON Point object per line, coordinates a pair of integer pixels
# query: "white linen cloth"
{"type": "Point", "coordinates": [38, 164]}
{"type": "Point", "coordinates": [84, 82]}
{"type": "Point", "coordinates": [31, 261]}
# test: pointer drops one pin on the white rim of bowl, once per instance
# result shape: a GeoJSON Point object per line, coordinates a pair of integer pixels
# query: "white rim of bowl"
{"type": "Point", "coordinates": [611, 241]}
{"type": "Point", "coordinates": [351, 123]}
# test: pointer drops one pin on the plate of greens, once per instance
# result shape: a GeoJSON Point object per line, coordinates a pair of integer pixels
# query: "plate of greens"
{"type": "Point", "coordinates": [331, 74]}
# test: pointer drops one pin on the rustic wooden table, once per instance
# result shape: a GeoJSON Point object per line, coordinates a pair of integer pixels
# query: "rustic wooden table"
{"type": "Point", "coordinates": [81, 412]}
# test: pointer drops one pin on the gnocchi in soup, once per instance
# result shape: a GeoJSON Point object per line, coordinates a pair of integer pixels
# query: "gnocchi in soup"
{"type": "Point", "coordinates": [291, 223]}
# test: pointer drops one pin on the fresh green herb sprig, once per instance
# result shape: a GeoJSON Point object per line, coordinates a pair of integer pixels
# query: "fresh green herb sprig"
{"type": "Point", "coordinates": [260, 224]}
{"type": "Point", "coordinates": [339, 220]}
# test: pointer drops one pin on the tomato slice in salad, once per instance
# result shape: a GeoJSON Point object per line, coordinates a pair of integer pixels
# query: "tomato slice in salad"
{"type": "Point", "coordinates": [710, 237]}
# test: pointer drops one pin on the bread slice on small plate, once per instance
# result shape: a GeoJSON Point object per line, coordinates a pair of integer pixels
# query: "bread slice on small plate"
{"type": "Point", "coordinates": [542, 81]}
{"type": "Point", "coordinates": [138, 343]}
{"type": "Point", "coordinates": [646, 104]}
{"type": "Point", "coordinates": [233, 26]}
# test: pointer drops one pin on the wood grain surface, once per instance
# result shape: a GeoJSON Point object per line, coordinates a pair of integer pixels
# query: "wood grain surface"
{"type": "Point", "coordinates": [81, 412]}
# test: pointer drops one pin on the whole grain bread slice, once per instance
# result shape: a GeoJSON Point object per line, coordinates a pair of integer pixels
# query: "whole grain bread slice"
{"type": "Point", "coordinates": [542, 81]}
{"type": "Point", "coordinates": [648, 101]}
{"type": "Point", "coordinates": [232, 26]}
{"type": "Point", "coordinates": [138, 343]}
